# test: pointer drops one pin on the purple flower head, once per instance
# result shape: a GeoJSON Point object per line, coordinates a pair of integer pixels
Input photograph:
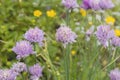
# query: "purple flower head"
{"type": "Point", "coordinates": [19, 67]}
{"type": "Point", "coordinates": [7, 75]}
{"type": "Point", "coordinates": [106, 4]}
{"type": "Point", "coordinates": [65, 35]}
{"type": "Point", "coordinates": [35, 35]}
{"type": "Point", "coordinates": [116, 41]}
{"type": "Point", "coordinates": [104, 34]}
{"type": "Point", "coordinates": [35, 71]}
{"type": "Point", "coordinates": [97, 4]}
{"type": "Point", "coordinates": [70, 3]}
{"type": "Point", "coordinates": [115, 74]}
{"type": "Point", "coordinates": [34, 78]}
{"type": "Point", "coordinates": [23, 49]}
{"type": "Point", "coordinates": [86, 4]}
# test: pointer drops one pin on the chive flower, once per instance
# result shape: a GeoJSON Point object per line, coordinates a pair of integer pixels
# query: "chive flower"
{"type": "Point", "coordinates": [65, 35]}
{"type": "Point", "coordinates": [23, 49]}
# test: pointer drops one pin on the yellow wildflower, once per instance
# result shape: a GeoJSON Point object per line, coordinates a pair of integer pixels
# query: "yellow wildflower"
{"type": "Point", "coordinates": [90, 23]}
{"type": "Point", "coordinates": [37, 13]}
{"type": "Point", "coordinates": [51, 13]}
{"type": "Point", "coordinates": [83, 12]}
{"type": "Point", "coordinates": [110, 20]}
{"type": "Point", "coordinates": [117, 32]}
{"type": "Point", "coordinates": [104, 62]}
{"type": "Point", "coordinates": [73, 52]}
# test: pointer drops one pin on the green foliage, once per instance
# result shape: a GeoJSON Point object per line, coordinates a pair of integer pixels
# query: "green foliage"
{"type": "Point", "coordinates": [16, 17]}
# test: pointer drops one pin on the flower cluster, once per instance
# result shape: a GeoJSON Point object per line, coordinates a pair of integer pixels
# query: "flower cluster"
{"type": "Point", "coordinates": [50, 13]}
{"type": "Point", "coordinates": [115, 74]}
{"type": "Point", "coordinates": [116, 41]}
{"type": "Point", "coordinates": [19, 67]}
{"type": "Point", "coordinates": [23, 49]}
{"type": "Point", "coordinates": [65, 35]}
{"type": "Point", "coordinates": [107, 36]}
{"type": "Point", "coordinates": [11, 74]}
{"type": "Point", "coordinates": [7, 74]}
{"type": "Point", "coordinates": [35, 71]}
{"type": "Point", "coordinates": [97, 4]}
{"type": "Point", "coordinates": [35, 35]}
{"type": "Point", "coordinates": [104, 34]}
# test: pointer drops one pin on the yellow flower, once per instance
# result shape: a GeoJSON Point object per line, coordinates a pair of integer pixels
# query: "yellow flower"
{"type": "Point", "coordinates": [37, 13]}
{"type": "Point", "coordinates": [110, 20]}
{"type": "Point", "coordinates": [90, 23]}
{"type": "Point", "coordinates": [83, 12]}
{"type": "Point", "coordinates": [117, 32]}
{"type": "Point", "coordinates": [51, 13]}
{"type": "Point", "coordinates": [73, 52]}
{"type": "Point", "coordinates": [104, 62]}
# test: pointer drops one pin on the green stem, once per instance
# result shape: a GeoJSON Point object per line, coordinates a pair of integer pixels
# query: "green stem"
{"type": "Point", "coordinates": [51, 65]}
{"type": "Point", "coordinates": [67, 17]}
{"type": "Point", "coordinates": [28, 75]}
{"type": "Point", "coordinates": [111, 62]}
{"type": "Point", "coordinates": [34, 56]}
{"type": "Point", "coordinates": [113, 55]}
{"type": "Point", "coordinates": [47, 58]}
{"type": "Point", "coordinates": [22, 76]}
{"type": "Point", "coordinates": [67, 63]}
{"type": "Point", "coordinates": [67, 54]}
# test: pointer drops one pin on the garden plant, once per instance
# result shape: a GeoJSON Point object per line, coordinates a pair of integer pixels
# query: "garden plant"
{"type": "Point", "coordinates": [59, 40]}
